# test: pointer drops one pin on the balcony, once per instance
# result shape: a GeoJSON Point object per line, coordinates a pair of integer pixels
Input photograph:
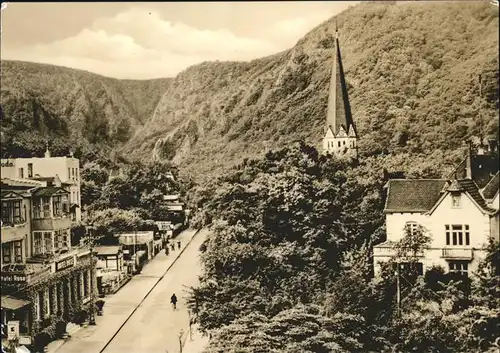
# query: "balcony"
{"type": "Point", "coordinates": [457, 254]}
{"type": "Point", "coordinates": [386, 249]}
{"type": "Point", "coordinates": [51, 223]}
{"type": "Point", "coordinates": [14, 231]}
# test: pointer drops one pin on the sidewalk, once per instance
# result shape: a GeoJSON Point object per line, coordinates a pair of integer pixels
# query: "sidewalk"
{"type": "Point", "coordinates": [121, 305]}
{"type": "Point", "coordinates": [197, 344]}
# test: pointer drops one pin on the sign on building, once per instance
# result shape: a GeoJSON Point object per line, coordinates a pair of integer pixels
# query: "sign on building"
{"type": "Point", "coordinates": [163, 225]}
{"type": "Point", "coordinates": [64, 264]}
{"type": "Point", "coordinates": [12, 330]}
{"type": "Point", "coordinates": [12, 278]}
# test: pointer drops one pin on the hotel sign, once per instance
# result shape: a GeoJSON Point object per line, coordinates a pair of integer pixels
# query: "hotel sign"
{"type": "Point", "coordinates": [64, 264]}
{"type": "Point", "coordinates": [13, 278]}
{"type": "Point", "coordinates": [7, 163]}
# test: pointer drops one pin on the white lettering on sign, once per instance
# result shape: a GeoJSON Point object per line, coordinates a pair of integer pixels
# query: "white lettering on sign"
{"type": "Point", "coordinates": [66, 263]}
{"type": "Point", "coordinates": [7, 163]}
{"type": "Point", "coordinates": [13, 278]}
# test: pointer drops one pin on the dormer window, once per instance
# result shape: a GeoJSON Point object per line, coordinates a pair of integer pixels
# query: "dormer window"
{"type": "Point", "coordinates": [455, 201]}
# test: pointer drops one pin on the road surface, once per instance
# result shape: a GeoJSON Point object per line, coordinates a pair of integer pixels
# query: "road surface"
{"type": "Point", "coordinates": [140, 317]}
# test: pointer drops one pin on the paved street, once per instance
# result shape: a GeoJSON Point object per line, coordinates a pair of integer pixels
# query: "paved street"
{"type": "Point", "coordinates": [154, 326]}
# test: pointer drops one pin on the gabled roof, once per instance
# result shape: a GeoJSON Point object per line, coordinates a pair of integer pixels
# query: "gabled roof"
{"type": "Point", "coordinates": [49, 191]}
{"type": "Point", "coordinates": [339, 109]}
{"type": "Point", "coordinates": [491, 189]}
{"type": "Point", "coordinates": [413, 195]}
{"type": "Point", "coordinates": [10, 195]}
{"type": "Point", "coordinates": [472, 189]}
{"type": "Point", "coordinates": [482, 168]}
{"type": "Point", "coordinates": [465, 186]}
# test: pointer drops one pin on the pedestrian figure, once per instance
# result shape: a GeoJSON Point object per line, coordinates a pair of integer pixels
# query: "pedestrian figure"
{"type": "Point", "coordinates": [173, 300]}
{"type": "Point", "coordinates": [166, 250]}
{"type": "Point", "coordinates": [172, 246]}
{"type": "Point", "coordinates": [179, 245]}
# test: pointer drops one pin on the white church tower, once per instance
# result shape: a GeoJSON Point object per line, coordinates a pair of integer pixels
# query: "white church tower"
{"type": "Point", "coordinates": [340, 132]}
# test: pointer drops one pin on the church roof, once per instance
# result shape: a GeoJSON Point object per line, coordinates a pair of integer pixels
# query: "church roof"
{"type": "Point", "coordinates": [339, 110]}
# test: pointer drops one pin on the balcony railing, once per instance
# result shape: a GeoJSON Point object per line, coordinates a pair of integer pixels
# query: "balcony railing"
{"type": "Point", "coordinates": [390, 251]}
{"type": "Point", "coordinates": [458, 253]}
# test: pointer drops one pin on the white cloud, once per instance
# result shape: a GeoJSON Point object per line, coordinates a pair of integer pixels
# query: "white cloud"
{"type": "Point", "coordinates": [139, 44]}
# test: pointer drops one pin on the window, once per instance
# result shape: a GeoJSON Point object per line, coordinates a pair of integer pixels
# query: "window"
{"type": "Point", "coordinates": [77, 201]}
{"type": "Point", "coordinates": [57, 206]}
{"type": "Point", "coordinates": [18, 251]}
{"type": "Point", "coordinates": [37, 243]}
{"type": "Point", "coordinates": [65, 205]}
{"type": "Point", "coordinates": [46, 207]}
{"type": "Point", "coordinates": [11, 212]}
{"type": "Point", "coordinates": [460, 267]}
{"type": "Point", "coordinates": [343, 142]}
{"type": "Point", "coordinates": [30, 170]}
{"type": "Point", "coordinates": [6, 253]}
{"type": "Point", "coordinates": [412, 228]}
{"type": "Point", "coordinates": [457, 234]}
{"type": "Point", "coordinates": [47, 236]}
{"type": "Point", "coordinates": [61, 238]}
{"type": "Point", "coordinates": [69, 173]}
{"type": "Point", "coordinates": [339, 143]}
{"type": "Point", "coordinates": [21, 173]}
{"type": "Point", "coordinates": [73, 173]}
{"type": "Point", "coordinates": [37, 208]}
{"type": "Point", "coordinates": [76, 173]}
{"type": "Point", "coordinates": [455, 201]}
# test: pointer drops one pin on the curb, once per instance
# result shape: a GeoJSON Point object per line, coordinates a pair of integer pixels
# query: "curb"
{"type": "Point", "coordinates": [149, 292]}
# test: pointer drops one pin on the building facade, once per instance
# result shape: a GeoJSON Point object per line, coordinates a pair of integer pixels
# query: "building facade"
{"type": "Point", "coordinates": [459, 213]}
{"type": "Point", "coordinates": [340, 137]}
{"type": "Point", "coordinates": [46, 283]}
{"type": "Point", "coordinates": [66, 169]}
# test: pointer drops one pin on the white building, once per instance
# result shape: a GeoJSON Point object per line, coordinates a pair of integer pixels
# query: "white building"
{"type": "Point", "coordinates": [459, 214]}
{"type": "Point", "coordinates": [66, 169]}
{"type": "Point", "coordinates": [340, 133]}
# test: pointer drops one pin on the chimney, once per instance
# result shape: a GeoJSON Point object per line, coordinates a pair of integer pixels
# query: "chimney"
{"type": "Point", "coordinates": [468, 162]}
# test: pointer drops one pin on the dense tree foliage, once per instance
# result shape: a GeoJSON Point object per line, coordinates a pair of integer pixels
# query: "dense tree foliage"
{"type": "Point", "coordinates": [288, 267]}
{"type": "Point", "coordinates": [413, 77]}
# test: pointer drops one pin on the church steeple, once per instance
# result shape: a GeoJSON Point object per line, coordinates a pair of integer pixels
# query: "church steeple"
{"type": "Point", "coordinates": [341, 137]}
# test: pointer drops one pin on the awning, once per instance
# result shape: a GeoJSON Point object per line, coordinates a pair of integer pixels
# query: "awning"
{"type": "Point", "coordinates": [12, 303]}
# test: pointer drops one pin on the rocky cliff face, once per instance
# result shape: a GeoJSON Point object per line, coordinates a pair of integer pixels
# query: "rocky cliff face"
{"type": "Point", "coordinates": [70, 108]}
{"type": "Point", "coordinates": [412, 72]}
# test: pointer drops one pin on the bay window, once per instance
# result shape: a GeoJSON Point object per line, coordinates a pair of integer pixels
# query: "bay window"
{"type": "Point", "coordinates": [11, 212]}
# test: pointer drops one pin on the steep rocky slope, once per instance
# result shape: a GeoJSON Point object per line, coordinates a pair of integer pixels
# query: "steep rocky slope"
{"type": "Point", "coordinates": [412, 71]}
{"type": "Point", "coordinates": [70, 108]}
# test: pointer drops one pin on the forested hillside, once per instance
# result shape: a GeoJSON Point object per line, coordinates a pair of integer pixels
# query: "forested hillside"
{"type": "Point", "coordinates": [70, 108]}
{"type": "Point", "coordinates": [412, 71]}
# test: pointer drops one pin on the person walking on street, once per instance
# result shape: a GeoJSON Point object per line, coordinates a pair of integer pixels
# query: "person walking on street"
{"type": "Point", "coordinates": [173, 300]}
{"type": "Point", "coordinates": [179, 245]}
{"type": "Point", "coordinates": [172, 246]}
{"type": "Point", "coordinates": [166, 250]}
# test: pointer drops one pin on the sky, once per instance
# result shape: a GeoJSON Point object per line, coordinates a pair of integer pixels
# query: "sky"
{"type": "Point", "coordinates": [159, 39]}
